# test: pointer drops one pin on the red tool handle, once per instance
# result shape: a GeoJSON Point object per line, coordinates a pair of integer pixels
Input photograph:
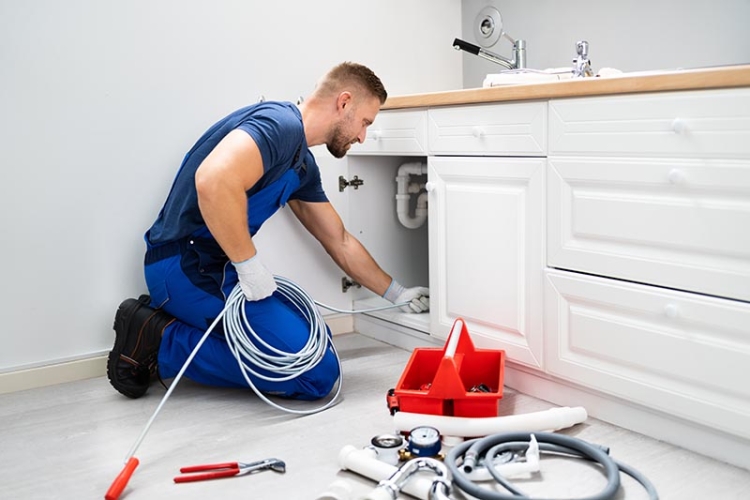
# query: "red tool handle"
{"type": "Point", "coordinates": [207, 475]}
{"type": "Point", "coordinates": [199, 468]}
{"type": "Point", "coordinates": [113, 493]}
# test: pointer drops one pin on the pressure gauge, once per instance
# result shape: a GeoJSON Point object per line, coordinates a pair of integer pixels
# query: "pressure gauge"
{"type": "Point", "coordinates": [424, 441]}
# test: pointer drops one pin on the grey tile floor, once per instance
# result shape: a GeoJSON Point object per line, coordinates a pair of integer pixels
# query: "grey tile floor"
{"type": "Point", "coordinates": [69, 441]}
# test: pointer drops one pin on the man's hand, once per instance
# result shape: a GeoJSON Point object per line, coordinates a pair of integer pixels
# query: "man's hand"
{"type": "Point", "coordinates": [256, 280]}
{"type": "Point", "coordinates": [417, 298]}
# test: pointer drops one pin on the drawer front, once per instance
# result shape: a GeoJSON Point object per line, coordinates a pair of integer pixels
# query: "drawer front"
{"type": "Point", "coordinates": [517, 129]}
{"type": "Point", "coordinates": [677, 223]}
{"type": "Point", "coordinates": [700, 124]}
{"type": "Point", "coordinates": [401, 132]}
{"type": "Point", "coordinates": [681, 353]}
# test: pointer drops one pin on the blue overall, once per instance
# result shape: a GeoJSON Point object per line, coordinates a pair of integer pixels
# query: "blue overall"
{"type": "Point", "coordinates": [191, 278]}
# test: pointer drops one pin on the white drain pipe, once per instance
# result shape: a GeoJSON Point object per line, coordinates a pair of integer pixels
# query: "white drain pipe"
{"type": "Point", "coordinates": [548, 420]}
{"type": "Point", "coordinates": [365, 463]}
{"type": "Point", "coordinates": [404, 191]}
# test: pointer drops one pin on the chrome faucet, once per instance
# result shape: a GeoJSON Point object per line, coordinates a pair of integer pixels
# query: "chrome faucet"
{"type": "Point", "coordinates": [581, 64]}
{"type": "Point", "coordinates": [517, 62]}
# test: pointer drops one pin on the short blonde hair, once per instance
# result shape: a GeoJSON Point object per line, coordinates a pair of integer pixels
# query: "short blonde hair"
{"type": "Point", "coordinates": [352, 74]}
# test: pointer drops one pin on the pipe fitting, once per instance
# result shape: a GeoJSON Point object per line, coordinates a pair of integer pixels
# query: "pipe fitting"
{"type": "Point", "coordinates": [405, 189]}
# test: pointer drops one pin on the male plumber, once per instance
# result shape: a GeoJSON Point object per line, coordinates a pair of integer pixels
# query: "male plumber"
{"type": "Point", "coordinates": [236, 176]}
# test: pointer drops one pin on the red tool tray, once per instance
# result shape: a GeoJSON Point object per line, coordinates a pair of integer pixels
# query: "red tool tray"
{"type": "Point", "coordinates": [456, 380]}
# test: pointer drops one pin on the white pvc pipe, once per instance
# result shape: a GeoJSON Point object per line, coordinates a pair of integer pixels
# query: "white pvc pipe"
{"type": "Point", "coordinates": [548, 420]}
{"type": "Point", "coordinates": [412, 168]}
{"type": "Point", "coordinates": [340, 489]}
{"type": "Point", "coordinates": [403, 197]}
{"type": "Point", "coordinates": [364, 462]}
{"type": "Point", "coordinates": [402, 210]}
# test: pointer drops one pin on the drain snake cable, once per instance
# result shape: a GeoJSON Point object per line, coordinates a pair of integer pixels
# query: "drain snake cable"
{"type": "Point", "coordinates": [246, 345]}
{"type": "Point", "coordinates": [237, 332]}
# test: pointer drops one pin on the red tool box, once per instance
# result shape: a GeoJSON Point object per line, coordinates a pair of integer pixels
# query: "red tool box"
{"type": "Point", "coordinates": [456, 380]}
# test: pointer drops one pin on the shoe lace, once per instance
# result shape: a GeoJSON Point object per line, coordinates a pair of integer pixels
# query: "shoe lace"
{"type": "Point", "coordinates": [152, 366]}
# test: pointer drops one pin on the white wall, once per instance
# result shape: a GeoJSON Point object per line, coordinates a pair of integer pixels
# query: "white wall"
{"type": "Point", "coordinates": [99, 101]}
{"type": "Point", "coordinates": [632, 35]}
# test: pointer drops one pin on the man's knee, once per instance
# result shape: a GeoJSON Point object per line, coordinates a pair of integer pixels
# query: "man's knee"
{"type": "Point", "coordinates": [320, 381]}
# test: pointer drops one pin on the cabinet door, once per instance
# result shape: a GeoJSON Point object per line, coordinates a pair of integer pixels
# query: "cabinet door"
{"type": "Point", "coordinates": [486, 251]}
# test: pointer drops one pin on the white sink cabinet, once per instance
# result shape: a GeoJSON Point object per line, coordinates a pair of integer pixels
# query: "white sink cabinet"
{"type": "Point", "coordinates": [603, 242]}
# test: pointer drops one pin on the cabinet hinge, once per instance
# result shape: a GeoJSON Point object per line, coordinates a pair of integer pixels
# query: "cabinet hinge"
{"type": "Point", "coordinates": [355, 183]}
{"type": "Point", "coordinates": [346, 284]}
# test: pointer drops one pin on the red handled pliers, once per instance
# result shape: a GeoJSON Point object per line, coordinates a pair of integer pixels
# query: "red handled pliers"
{"type": "Point", "coordinates": [228, 469]}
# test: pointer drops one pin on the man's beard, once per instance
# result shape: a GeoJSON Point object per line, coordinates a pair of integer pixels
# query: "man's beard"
{"type": "Point", "coordinates": [339, 143]}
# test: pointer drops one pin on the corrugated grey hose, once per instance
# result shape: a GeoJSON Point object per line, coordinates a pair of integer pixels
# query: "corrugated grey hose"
{"type": "Point", "coordinates": [463, 458]}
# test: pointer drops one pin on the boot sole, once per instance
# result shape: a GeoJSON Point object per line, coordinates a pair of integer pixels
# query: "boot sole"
{"type": "Point", "coordinates": [127, 308]}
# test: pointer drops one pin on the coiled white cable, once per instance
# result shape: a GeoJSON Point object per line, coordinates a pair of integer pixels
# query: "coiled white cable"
{"type": "Point", "coordinates": [318, 343]}
{"type": "Point", "coordinates": [253, 353]}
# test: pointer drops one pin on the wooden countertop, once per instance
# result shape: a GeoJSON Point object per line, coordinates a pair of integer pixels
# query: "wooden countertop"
{"type": "Point", "coordinates": [710, 78]}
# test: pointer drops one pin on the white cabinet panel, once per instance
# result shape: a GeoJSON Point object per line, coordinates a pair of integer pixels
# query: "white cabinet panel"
{"type": "Point", "coordinates": [486, 251]}
{"type": "Point", "coordinates": [677, 352]}
{"type": "Point", "coordinates": [682, 224]}
{"type": "Point", "coordinates": [399, 132]}
{"type": "Point", "coordinates": [515, 129]}
{"type": "Point", "coordinates": [699, 124]}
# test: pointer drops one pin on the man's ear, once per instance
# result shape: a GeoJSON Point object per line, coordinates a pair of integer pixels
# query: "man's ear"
{"type": "Point", "coordinates": [344, 100]}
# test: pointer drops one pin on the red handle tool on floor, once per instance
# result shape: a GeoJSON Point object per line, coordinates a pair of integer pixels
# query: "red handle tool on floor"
{"type": "Point", "coordinates": [114, 491]}
{"type": "Point", "coordinates": [228, 469]}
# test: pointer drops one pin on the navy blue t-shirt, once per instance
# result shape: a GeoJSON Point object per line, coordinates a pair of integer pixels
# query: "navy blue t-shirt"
{"type": "Point", "coordinates": [276, 127]}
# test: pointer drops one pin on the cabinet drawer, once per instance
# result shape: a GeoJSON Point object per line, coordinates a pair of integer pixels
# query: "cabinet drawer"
{"type": "Point", "coordinates": [677, 223]}
{"type": "Point", "coordinates": [401, 132]}
{"type": "Point", "coordinates": [681, 353]}
{"type": "Point", "coordinates": [701, 124]}
{"type": "Point", "coordinates": [517, 129]}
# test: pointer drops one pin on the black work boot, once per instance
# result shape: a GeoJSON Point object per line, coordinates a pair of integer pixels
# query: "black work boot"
{"type": "Point", "coordinates": [138, 331]}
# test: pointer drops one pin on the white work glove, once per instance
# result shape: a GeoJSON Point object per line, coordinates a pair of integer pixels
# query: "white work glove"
{"type": "Point", "coordinates": [256, 280]}
{"type": "Point", "coordinates": [418, 297]}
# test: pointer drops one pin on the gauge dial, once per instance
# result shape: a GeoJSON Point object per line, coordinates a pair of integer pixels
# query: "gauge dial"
{"type": "Point", "coordinates": [424, 441]}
